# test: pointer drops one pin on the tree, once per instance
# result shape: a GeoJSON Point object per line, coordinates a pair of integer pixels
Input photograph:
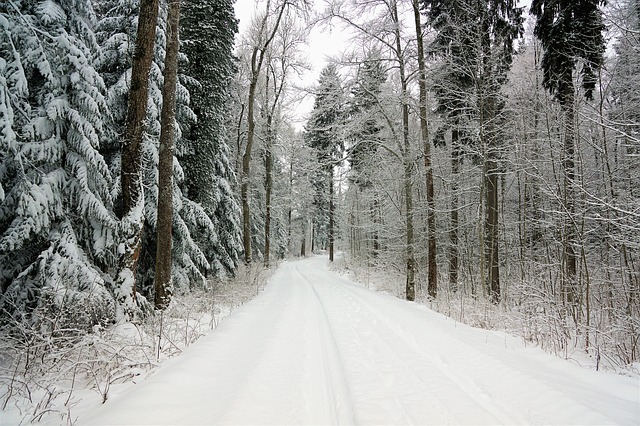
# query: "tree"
{"type": "Point", "coordinates": [478, 38]}
{"type": "Point", "coordinates": [571, 33]}
{"type": "Point", "coordinates": [58, 232]}
{"type": "Point", "coordinates": [381, 26]}
{"type": "Point", "coordinates": [432, 284]}
{"type": "Point", "coordinates": [364, 132]}
{"type": "Point", "coordinates": [132, 216]}
{"type": "Point", "coordinates": [453, 45]}
{"type": "Point", "coordinates": [324, 135]}
{"type": "Point", "coordinates": [165, 161]}
{"type": "Point", "coordinates": [266, 29]}
{"type": "Point", "coordinates": [283, 59]}
{"type": "Point", "coordinates": [207, 34]}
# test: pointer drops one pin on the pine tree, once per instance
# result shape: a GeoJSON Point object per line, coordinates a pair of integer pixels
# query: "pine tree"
{"type": "Point", "coordinates": [365, 123]}
{"type": "Point", "coordinates": [58, 232]}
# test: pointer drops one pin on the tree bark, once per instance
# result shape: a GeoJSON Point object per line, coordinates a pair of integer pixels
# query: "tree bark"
{"type": "Point", "coordinates": [165, 160]}
{"type": "Point", "coordinates": [491, 226]}
{"type": "Point", "coordinates": [131, 179]}
{"type": "Point", "coordinates": [331, 215]}
{"type": "Point", "coordinates": [410, 287]}
{"type": "Point", "coordinates": [432, 282]}
{"type": "Point", "coordinates": [568, 199]}
{"type": "Point", "coordinates": [453, 226]}
{"type": "Point", "coordinates": [268, 186]}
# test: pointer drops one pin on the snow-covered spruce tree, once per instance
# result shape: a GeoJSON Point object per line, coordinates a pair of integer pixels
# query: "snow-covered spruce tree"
{"type": "Point", "coordinates": [116, 35]}
{"type": "Point", "coordinates": [207, 33]}
{"type": "Point", "coordinates": [57, 226]}
{"type": "Point", "coordinates": [323, 133]}
{"type": "Point", "coordinates": [364, 133]}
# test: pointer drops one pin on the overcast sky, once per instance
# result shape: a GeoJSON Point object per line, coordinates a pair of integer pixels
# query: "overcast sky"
{"type": "Point", "coordinates": [323, 43]}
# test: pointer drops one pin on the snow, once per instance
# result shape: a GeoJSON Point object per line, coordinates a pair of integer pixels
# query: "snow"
{"type": "Point", "coordinates": [315, 348]}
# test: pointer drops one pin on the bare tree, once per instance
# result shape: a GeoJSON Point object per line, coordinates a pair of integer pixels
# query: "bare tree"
{"type": "Point", "coordinates": [384, 28]}
{"type": "Point", "coordinates": [267, 27]}
{"type": "Point", "coordinates": [432, 285]}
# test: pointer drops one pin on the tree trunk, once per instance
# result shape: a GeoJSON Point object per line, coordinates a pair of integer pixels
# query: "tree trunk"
{"type": "Point", "coordinates": [165, 160]}
{"type": "Point", "coordinates": [491, 225]}
{"type": "Point", "coordinates": [331, 215]}
{"type": "Point", "coordinates": [453, 229]}
{"type": "Point", "coordinates": [488, 92]}
{"type": "Point", "coordinates": [432, 286]}
{"type": "Point", "coordinates": [268, 162]}
{"type": "Point", "coordinates": [410, 287]}
{"type": "Point", "coordinates": [290, 211]}
{"type": "Point", "coordinates": [246, 169]}
{"type": "Point", "coordinates": [375, 218]}
{"type": "Point", "coordinates": [131, 179]}
{"type": "Point", "coordinates": [568, 199]}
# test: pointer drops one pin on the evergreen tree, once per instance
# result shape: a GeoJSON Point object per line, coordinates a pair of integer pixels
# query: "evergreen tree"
{"type": "Point", "coordinates": [116, 35]}
{"type": "Point", "coordinates": [207, 33]}
{"type": "Point", "coordinates": [58, 232]}
{"type": "Point", "coordinates": [324, 135]}
{"type": "Point", "coordinates": [476, 41]}
{"type": "Point", "coordinates": [454, 45]}
{"type": "Point", "coordinates": [365, 132]}
{"type": "Point", "coordinates": [193, 230]}
{"type": "Point", "coordinates": [365, 123]}
{"type": "Point", "coordinates": [570, 32]}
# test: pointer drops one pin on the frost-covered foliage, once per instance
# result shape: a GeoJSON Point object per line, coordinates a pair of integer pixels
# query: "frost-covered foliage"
{"type": "Point", "coordinates": [58, 233]}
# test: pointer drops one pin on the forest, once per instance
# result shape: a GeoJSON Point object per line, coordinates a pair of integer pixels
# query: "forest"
{"type": "Point", "coordinates": [481, 156]}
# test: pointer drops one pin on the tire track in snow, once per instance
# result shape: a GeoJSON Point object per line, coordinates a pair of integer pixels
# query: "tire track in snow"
{"type": "Point", "coordinates": [531, 397]}
{"type": "Point", "coordinates": [325, 358]}
{"type": "Point", "coordinates": [420, 380]}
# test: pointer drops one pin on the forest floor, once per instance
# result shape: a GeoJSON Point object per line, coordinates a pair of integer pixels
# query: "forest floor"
{"type": "Point", "coordinates": [316, 348]}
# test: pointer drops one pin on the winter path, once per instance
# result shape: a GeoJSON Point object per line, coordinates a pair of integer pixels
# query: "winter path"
{"type": "Point", "coordinates": [314, 348]}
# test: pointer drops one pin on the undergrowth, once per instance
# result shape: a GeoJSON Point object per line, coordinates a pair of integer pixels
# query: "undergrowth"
{"type": "Point", "coordinates": [609, 342]}
{"type": "Point", "coordinates": [46, 374]}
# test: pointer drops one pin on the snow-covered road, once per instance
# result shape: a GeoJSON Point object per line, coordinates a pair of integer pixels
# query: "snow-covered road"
{"type": "Point", "coordinates": [314, 348]}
